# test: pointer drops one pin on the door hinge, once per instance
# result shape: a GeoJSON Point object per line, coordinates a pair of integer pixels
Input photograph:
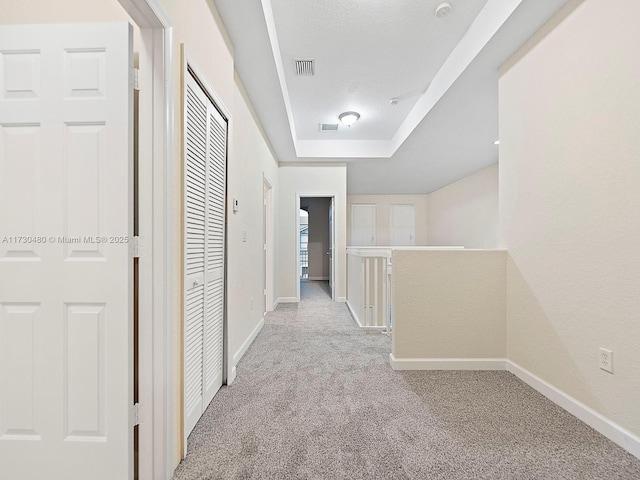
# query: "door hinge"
{"type": "Point", "coordinates": [134, 414]}
{"type": "Point", "coordinates": [136, 79]}
{"type": "Point", "coordinates": [136, 247]}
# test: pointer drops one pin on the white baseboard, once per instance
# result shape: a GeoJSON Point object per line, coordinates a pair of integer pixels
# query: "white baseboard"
{"type": "Point", "coordinates": [245, 346]}
{"type": "Point", "coordinates": [284, 300]}
{"type": "Point", "coordinates": [341, 299]}
{"type": "Point", "coordinates": [232, 376]}
{"type": "Point", "coordinates": [614, 432]}
{"type": "Point", "coordinates": [320, 279]}
{"type": "Point", "coordinates": [353, 314]}
{"type": "Point", "coordinates": [446, 363]}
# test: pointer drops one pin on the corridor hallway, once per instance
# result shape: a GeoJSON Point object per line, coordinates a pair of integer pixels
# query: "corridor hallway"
{"type": "Point", "coordinates": [315, 398]}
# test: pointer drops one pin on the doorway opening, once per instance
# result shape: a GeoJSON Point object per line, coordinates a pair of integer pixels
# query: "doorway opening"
{"type": "Point", "coordinates": [315, 240]}
{"type": "Point", "coordinates": [304, 243]}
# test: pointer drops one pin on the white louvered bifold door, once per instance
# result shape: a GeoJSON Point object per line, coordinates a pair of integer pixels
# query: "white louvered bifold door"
{"type": "Point", "coordinates": [205, 160]}
{"type": "Point", "coordinates": [214, 277]}
{"type": "Point", "coordinates": [195, 224]}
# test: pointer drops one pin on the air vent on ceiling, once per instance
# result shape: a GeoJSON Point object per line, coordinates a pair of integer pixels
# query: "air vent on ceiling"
{"type": "Point", "coordinates": [305, 68]}
{"type": "Point", "coordinates": [328, 127]}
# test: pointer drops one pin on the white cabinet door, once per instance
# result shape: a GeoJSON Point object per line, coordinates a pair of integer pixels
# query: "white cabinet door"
{"type": "Point", "coordinates": [402, 225]}
{"type": "Point", "coordinates": [66, 291]}
{"type": "Point", "coordinates": [205, 173]}
{"type": "Point", "coordinates": [363, 225]}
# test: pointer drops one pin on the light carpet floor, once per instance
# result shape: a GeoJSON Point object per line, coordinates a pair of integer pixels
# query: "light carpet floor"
{"type": "Point", "coordinates": [315, 398]}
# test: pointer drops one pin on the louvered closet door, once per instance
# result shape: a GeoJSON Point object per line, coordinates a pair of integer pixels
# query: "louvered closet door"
{"type": "Point", "coordinates": [214, 277]}
{"type": "Point", "coordinates": [205, 155]}
{"type": "Point", "coordinates": [196, 134]}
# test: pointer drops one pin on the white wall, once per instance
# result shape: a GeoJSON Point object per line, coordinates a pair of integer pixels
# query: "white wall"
{"type": "Point", "coordinates": [465, 213]}
{"type": "Point", "coordinates": [570, 205]}
{"type": "Point", "coordinates": [383, 203]}
{"type": "Point", "coordinates": [303, 180]}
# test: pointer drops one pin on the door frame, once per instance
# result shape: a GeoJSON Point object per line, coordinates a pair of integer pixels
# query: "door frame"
{"type": "Point", "coordinates": [267, 190]}
{"type": "Point", "coordinates": [332, 269]}
{"type": "Point", "coordinates": [157, 246]}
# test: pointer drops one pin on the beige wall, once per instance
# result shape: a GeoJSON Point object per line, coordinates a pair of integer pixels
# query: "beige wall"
{"type": "Point", "coordinates": [448, 304]}
{"type": "Point", "coordinates": [318, 209]}
{"type": "Point", "coordinates": [570, 206]}
{"type": "Point", "coordinates": [383, 213]}
{"type": "Point", "coordinates": [250, 162]}
{"type": "Point", "coordinates": [465, 213]}
{"type": "Point", "coordinates": [324, 180]}
{"type": "Point", "coordinates": [63, 11]}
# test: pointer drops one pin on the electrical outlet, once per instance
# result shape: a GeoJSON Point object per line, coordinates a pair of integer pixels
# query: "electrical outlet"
{"type": "Point", "coordinates": [244, 235]}
{"type": "Point", "coordinates": [606, 360]}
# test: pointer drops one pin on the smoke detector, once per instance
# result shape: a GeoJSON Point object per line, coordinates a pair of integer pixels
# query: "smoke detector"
{"type": "Point", "coordinates": [394, 101]}
{"type": "Point", "coordinates": [443, 9]}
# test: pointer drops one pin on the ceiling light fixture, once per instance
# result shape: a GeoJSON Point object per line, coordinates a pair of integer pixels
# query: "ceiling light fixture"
{"type": "Point", "coordinates": [497, 142]}
{"type": "Point", "coordinates": [443, 9]}
{"type": "Point", "coordinates": [349, 118]}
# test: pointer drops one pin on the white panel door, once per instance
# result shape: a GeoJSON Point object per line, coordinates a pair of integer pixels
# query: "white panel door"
{"type": "Point", "coordinates": [402, 225]}
{"type": "Point", "coordinates": [66, 203]}
{"type": "Point", "coordinates": [363, 225]}
{"type": "Point", "coordinates": [205, 184]}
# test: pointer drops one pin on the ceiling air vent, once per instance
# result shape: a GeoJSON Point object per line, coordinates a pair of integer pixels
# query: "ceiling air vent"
{"type": "Point", "coordinates": [328, 127]}
{"type": "Point", "coordinates": [305, 68]}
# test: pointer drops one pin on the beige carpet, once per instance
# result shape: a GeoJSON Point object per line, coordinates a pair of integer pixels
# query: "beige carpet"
{"type": "Point", "coordinates": [315, 398]}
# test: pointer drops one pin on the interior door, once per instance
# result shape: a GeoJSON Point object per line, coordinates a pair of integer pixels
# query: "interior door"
{"type": "Point", "coordinates": [402, 225]}
{"type": "Point", "coordinates": [66, 201]}
{"type": "Point", "coordinates": [363, 225]}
